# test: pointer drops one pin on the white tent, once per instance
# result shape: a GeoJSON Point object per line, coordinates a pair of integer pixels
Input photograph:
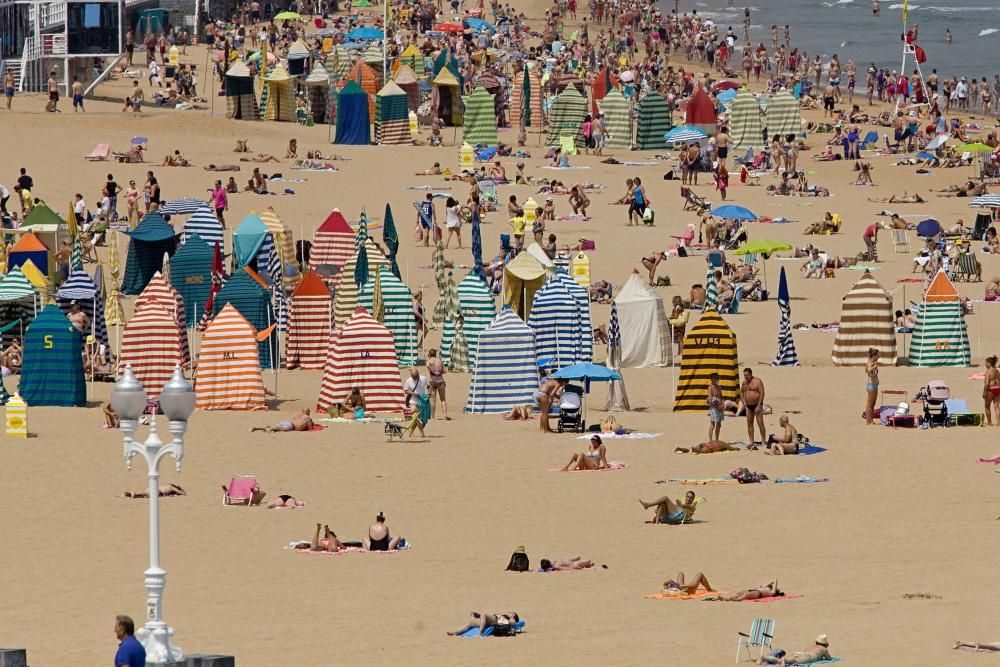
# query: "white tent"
{"type": "Point", "coordinates": [643, 321]}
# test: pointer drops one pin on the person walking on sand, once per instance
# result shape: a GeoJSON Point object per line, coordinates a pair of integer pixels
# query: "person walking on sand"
{"type": "Point", "coordinates": [220, 202]}
{"type": "Point", "coordinates": [436, 384]}
{"type": "Point", "coordinates": [871, 387]}
{"type": "Point", "coordinates": [715, 413]}
{"type": "Point", "coordinates": [991, 390]}
{"type": "Point", "coordinates": [752, 394]}
{"type": "Point", "coordinates": [52, 105]}
{"type": "Point", "coordinates": [130, 652]}
{"type": "Point", "coordinates": [77, 90]}
{"type": "Point", "coordinates": [8, 87]}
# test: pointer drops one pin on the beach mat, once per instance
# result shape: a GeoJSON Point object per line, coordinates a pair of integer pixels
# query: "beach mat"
{"type": "Point", "coordinates": [698, 482]}
{"type": "Point", "coordinates": [620, 436]}
{"type": "Point", "coordinates": [801, 479]}
{"type": "Point", "coordinates": [686, 596]}
{"type": "Point", "coordinates": [810, 449]}
{"type": "Point", "coordinates": [612, 465]}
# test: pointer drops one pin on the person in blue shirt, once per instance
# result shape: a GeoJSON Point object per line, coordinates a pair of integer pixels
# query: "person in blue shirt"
{"type": "Point", "coordinates": [130, 651]}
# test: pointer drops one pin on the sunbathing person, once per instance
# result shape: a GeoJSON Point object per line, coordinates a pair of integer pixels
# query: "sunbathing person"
{"type": "Point", "coordinates": [572, 563]}
{"type": "Point", "coordinates": [519, 412]}
{"type": "Point", "coordinates": [301, 421]}
{"type": "Point", "coordinates": [673, 511]}
{"type": "Point", "coordinates": [346, 410]}
{"type": "Point", "coordinates": [678, 586]}
{"type": "Point", "coordinates": [770, 590]}
{"type": "Point", "coordinates": [595, 458]}
{"type": "Point", "coordinates": [977, 646]}
{"type": "Point", "coordinates": [710, 447]}
{"type": "Point", "coordinates": [260, 157]}
{"type": "Point", "coordinates": [312, 164]}
{"type": "Point", "coordinates": [222, 167]}
{"type": "Point", "coordinates": [905, 198]}
{"type": "Point", "coordinates": [329, 543]}
{"type": "Point", "coordinates": [167, 490]}
{"type": "Point", "coordinates": [241, 146]}
{"type": "Point", "coordinates": [481, 621]}
{"type": "Point", "coordinates": [433, 171]}
{"type": "Point", "coordinates": [826, 225]}
{"type": "Point", "coordinates": [176, 160]}
{"type": "Point", "coordinates": [318, 155]}
{"type": "Point", "coordinates": [787, 442]}
{"type": "Point", "coordinates": [287, 501]}
{"type": "Point", "coordinates": [818, 651]}
{"type": "Point", "coordinates": [378, 536]}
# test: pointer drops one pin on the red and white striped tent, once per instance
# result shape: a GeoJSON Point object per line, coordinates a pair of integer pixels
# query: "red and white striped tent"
{"type": "Point", "coordinates": [333, 245]}
{"type": "Point", "coordinates": [228, 375]}
{"type": "Point", "coordinates": [309, 324]}
{"type": "Point", "coordinates": [161, 291]}
{"type": "Point", "coordinates": [362, 354]}
{"type": "Point", "coordinates": [151, 345]}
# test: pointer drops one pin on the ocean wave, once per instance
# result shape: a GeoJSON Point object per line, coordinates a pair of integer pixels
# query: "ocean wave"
{"type": "Point", "coordinates": [900, 6]}
{"type": "Point", "coordinates": [959, 10]}
{"type": "Point", "coordinates": [988, 31]}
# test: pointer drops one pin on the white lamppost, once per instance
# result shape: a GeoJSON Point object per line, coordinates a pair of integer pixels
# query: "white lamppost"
{"type": "Point", "coordinates": [177, 402]}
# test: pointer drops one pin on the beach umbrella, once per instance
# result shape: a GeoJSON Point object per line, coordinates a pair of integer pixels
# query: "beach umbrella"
{"type": "Point", "coordinates": [378, 305]}
{"type": "Point", "coordinates": [391, 239]}
{"type": "Point", "coordinates": [439, 280]}
{"type": "Point", "coordinates": [286, 16]}
{"type": "Point", "coordinates": [786, 345]}
{"type": "Point", "coordinates": [479, 25]}
{"type": "Point", "coordinates": [617, 397]}
{"type": "Point", "coordinates": [733, 212]}
{"type": "Point", "coordinates": [364, 34]}
{"type": "Point", "coordinates": [975, 148]}
{"type": "Point", "coordinates": [183, 206]}
{"type": "Point", "coordinates": [711, 291]}
{"type": "Point", "coordinates": [477, 246]}
{"type": "Point", "coordinates": [763, 248]}
{"type": "Point", "coordinates": [449, 27]}
{"type": "Point", "coordinates": [136, 141]}
{"type": "Point", "coordinates": [928, 228]}
{"type": "Point", "coordinates": [76, 255]}
{"type": "Point", "coordinates": [937, 142]}
{"type": "Point", "coordinates": [726, 96]}
{"type": "Point", "coordinates": [361, 3]}
{"type": "Point", "coordinates": [725, 85]}
{"type": "Point", "coordinates": [587, 373]}
{"type": "Point", "coordinates": [684, 133]}
{"type": "Point", "coordinates": [361, 267]}
{"type": "Point", "coordinates": [986, 201]}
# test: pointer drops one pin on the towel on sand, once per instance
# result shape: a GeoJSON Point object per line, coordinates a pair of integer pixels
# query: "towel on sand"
{"type": "Point", "coordinates": [620, 436]}
{"type": "Point", "coordinates": [774, 598]}
{"type": "Point", "coordinates": [686, 596]}
{"type": "Point", "coordinates": [699, 482]}
{"type": "Point", "coordinates": [801, 479]}
{"type": "Point", "coordinates": [612, 465]}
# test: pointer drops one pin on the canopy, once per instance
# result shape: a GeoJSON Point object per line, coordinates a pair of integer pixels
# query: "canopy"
{"type": "Point", "coordinates": [151, 346]}
{"type": "Point", "coordinates": [52, 368]}
{"type": "Point", "coordinates": [709, 347]}
{"type": "Point", "coordinates": [310, 321]}
{"type": "Point", "coordinates": [685, 134]}
{"type": "Point", "coordinates": [333, 245]}
{"type": "Point", "coordinates": [15, 286]}
{"type": "Point", "coordinates": [567, 113]}
{"type": "Point", "coordinates": [590, 372]}
{"type": "Point", "coordinates": [182, 206]}
{"type": "Point", "coordinates": [744, 121]}
{"type": "Point", "coordinates": [191, 275]}
{"type": "Point", "coordinates": [654, 122]}
{"type": "Point", "coordinates": [392, 118]}
{"type": "Point", "coordinates": [523, 276]}
{"type": "Point", "coordinates": [866, 321]}
{"type": "Point", "coordinates": [353, 119]}
{"type": "Point", "coordinates": [246, 293]}
{"type": "Point", "coordinates": [228, 375]}
{"type": "Point", "coordinates": [616, 120]}
{"type": "Point", "coordinates": [783, 114]}
{"type": "Point", "coordinates": [150, 240]}
{"type": "Point", "coordinates": [248, 237]}
{"type": "Point", "coordinates": [645, 336]}
{"type": "Point", "coordinates": [506, 372]}
{"type": "Point", "coordinates": [397, 313]}
{"type": "Point", "coordinates": [480, 119]}
{"type": "Point", "coordinates": [365, 33]}
{"type": "Point", "coordinates": [556, 323]}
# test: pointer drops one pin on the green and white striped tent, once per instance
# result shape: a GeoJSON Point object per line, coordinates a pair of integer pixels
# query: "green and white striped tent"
{"type": "Point", "coordinates": [477, 307]}
{"type": "Point", "coordinates": [392, 118]}
{"type": "Point", "coordinates": [940, 337]}
{"type": "Point", "coordinates": [614, 107]}
{"type": "Point", "coordinates": [654, 122]}
{"type": "Point", "coordinates": [783, 114]}
{"type": "Point", "coordinates": [373, 56]}
{"type": "Point", "coordinates": [397, 308]}
{"type": "Point", "coordinates": [345, 301]}
{"type": "Point", "coordinates": [744, 121]}
{"type": "Point", "coordinates": [480, 118]}
{"type": "Point", "coordinates": [338, 62]}
{"type": "Point", "coordinates": [567, 113]}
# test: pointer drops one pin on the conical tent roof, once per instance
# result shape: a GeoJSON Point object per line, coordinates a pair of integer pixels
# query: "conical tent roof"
{"type": "Point", "coordinates": [29, 243]}
{"type": "Point", "coordinates": [310, 321]}
{"type": "Point", "coordinates": [866, 321]}
{"type": "Point", "coordinates": [567, 113]}
{"type": "Point", "coordinates": [526, 99]}
{"type": "Point", "coordinates": [941, 289]}
{"type": "Point", "coordinates": [365, 77]}
{"type": "Point", "coordinates": [81, 288]}
{"type": "Point", "coordinates": [477, 308]}
{"type": "Point", "coordinates": [506, 371]}
{"type": "Point", "coordinates": [298, 50]}
{"type": "Point", "coordinates": [338, 62]}
{"type": "Point", "coordinates": [159, 291]}
{"type": "Point", "coordinates": [15, 286]}
{"type": "Point", "coordinates": [700, 112]}
{"type": "Point", "coordinates": [940, 337]}
{"type": "Point", "coordinates": [405, 75]}
{"type": "Point", "coordinates": [523, 276]}
{"type": "Point", "coordinates": [238, 70]}
{"type": "Point", "coordinates": [150, 240]}
{"type": "Point", "coordinates": [397, 307]}
{"type": "Point", "coordinates": [248, 237]}
{"type": "Point", "coordinates": [556, 324]}
{"type": "Point", "coordinates": [413, 59]}
{"type": "Point", "coordinates": [784, 115]}
{"type": "Point", "coordinates": [373, 54]}
{"type": "Point", "coordinates": [191, 275]}
{"type": "Point", "coordinates": [41, 214]}
{"type": "Point", "coordinates": [346, 298]}
{"type": "Point", "coordinates": [392, 116]}
{"type": "Point", "coordinates": [228, 375]}
{"type": "Point", "coordinates": [480, 119]}
{"type": "Point", "coordinates": [319, 76]}
{"type": "Point", "coordinates": [645, 337]}
{"type": "Point", "coordinates": [151, 346]}
{"type": "Point", "coordinates": [284, 240]}
{"type": "Point", "coordinates": [654, 122]}
{"type": "Point", "coordinates": [616, 120]}
{"type": "Point", "coordinates": [333, 245]}
{"type": "Point", "coordinates": [244, 291]}
{"type": "Point", "coordinates": [52, 368]}
{"type": "Point", "coordinates": [709, 347]}
{"type": "Point", "coordinates": [204, 223]}
{"type": "Point", "coordinates": [362, 354]}
{"type": "Point", "coordinates": [744, 120]}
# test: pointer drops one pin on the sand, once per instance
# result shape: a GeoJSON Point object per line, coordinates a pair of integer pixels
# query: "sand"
{"type": "Point", "coordinates": [905, 511]}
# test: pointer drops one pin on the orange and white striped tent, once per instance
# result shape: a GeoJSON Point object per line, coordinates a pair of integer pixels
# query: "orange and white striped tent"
{"type": "Point", "coordinates": [362, 354]}
{"type": "Point", "coordinates": [333, 245]}
{"type": "Point", "coordinates": [228, 375]}
{"type": "Point", "coordinates": [309, 324]}
{"type": "Point", "coordinates": [151, 345]}
{"type": "Point", "coordinates": [366, 77]}
{"type": "Point", "coordinates": [161, 291]}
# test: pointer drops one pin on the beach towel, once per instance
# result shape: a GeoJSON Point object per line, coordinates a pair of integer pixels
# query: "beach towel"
{"type": "Point", "coordinates": [686, 596]}
{"type": "Point", "coordinates": [612, 465]}
{"type": "Point", "coordinates": [647, 163]}
{"type": "Point", "coordinates": [774, 598]}
{"type": "Point", "coordinates": [348, 550]}
{"type": "Point", "coordinates": [564, 168]}
{"type": "Point", "coordinates": [621, 436]}
{"type": "Point", "coordinates": [801, 479]}
{"type": "Point", "coordinates": [573, 216]}
{"type": "Point", "coordinates": [698, 482]}
{"type": "Point", "coordinates": [810, 449]}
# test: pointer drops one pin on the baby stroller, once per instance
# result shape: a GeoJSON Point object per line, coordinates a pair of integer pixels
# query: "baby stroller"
{"type": "Point", "coordinates": [571, 410]}
{"type": "Point", "coordinates": [935, 408]}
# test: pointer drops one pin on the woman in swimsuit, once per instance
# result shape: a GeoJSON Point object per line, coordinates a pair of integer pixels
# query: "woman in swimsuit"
{"type": "Point", "coordinates": [770, 590]}
{"type": "Point", "coordinates": [594, 458]}
{"type": "Point", "coordinates": [378, 536]}
{"type": "Point", "coordinates": [166, 490]}
{"type": "Point", "coordinates": [419, 318]}
{"type": "Point", "coordinates": [436, 384]}
{"type": "Point", "coordinates": [673, 511]}
{"type": "Point", "coordinates": [285, 500]}
{"type": "Point", "coordinates": [572, 563]}
{"type": "Point", "coordinates": [482, 621]}
{"type": "Point", "coordinates": [678, 587]}
{"type": "Point", "coordinates": [329, 543]}
{"type": "Point", "coordinates": [991, 390]}
{"type": "Point", "coordinates": [871, 370]}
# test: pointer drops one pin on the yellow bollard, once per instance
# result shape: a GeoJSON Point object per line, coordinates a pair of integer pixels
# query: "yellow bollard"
{"type": "Point", "coordinates": [466, 157]}
{"type": "Point", "coordinates": [17, 417]}
{"type": "Point", "coordinates": [414, 128]}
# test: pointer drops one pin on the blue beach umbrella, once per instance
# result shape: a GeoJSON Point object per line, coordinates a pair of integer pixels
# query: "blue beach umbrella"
{"type": "Point", "coordinates": [479, 25]}
{"type": "Point", "coordinates": [365, 33]}
{"type": "Point", "coordinates": [733, 212]}
{"type": "Point", "coordinates": [684, 133]}
{"type": "Point", "coordinates": [928, 228]}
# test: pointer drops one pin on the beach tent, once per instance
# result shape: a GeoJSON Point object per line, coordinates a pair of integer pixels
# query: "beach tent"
{"type": "Point", "coordinates": [940, 337]}
{"type": "Point", "coordinates": [318, 87]}
{"type": "Point", "coordinates": [582, 298]}
{"type": "Point", "coordinates": [654, 122]}
{"type": "Point", "coordinates": [410, 84]}
{"type": "Point", "coordinates": [506, 370]}
{"type": "Point", "coordinates": [246, 292]}
{"type": "Point", "coordinates": [866, 321]}
{"type": "Point", "coordinates": [392, 116]}
{"type": "Point", "coordinates": [228, 375]}
{"type": "Point", "coordinates": [241, 102]}
{"type": "Point", "coordinates": [645, 337]}
{"type": "Point", "coordinates": [204, 223]}
{"type": "Point", "coordinates": [332, 246]}
{"type": "Point", "coordinates": [191, 275]}
{"type": "Point", "coordinates": [280, 96]}
{"type": "Point", "coordinates": [477, 309]}
{"type": "Point", "coordinates": [700, 112]}
{"type": "Point", "coordinates": [353, 119]}
{"type": "Point", "coordinates": [29, 247]}
{"type": "Point", "coordinates": [567, 113]}
{"type": "Point", "coordinates": [786, 344]}
{"type": "Point", "coordinates": [744, 121]}
{"type": "Point", "coordinates": [309, 324]}
{"type": "Point", "coordinates": [446, 98]}
{"type": "Point", "coordinates": [284, 239]}
{"type": "Point", "coordinates": [480, 119]}
{"type": "Point", "coordinates": [397, 312]}
{"type": "Point", "coordinates": [81, 288]}
{"type": "Point", "coordinates": [604, 82]}
{"type": "Point", "coordinates": [18, 302]}
{"type": "Point", "coordinates": [374, 58]}
{"type": "Point", "coordinates": [556, 324]}
{"type": "Point", "coordinates": [783, 114]}
{"type": "Point", "coordinates": [41, 214]}
{"type": "Point", "coordinates": [412, 58]}
{"type": "Point", "coordinates": [149, 241]}
{"type": "Point", "coordinates": [151, 346]}
{"type": "Point", "coordinates": [615, 108]}
{"type": "Point", "coordinates": [296, 57]}
{"type": "Point", "coordinates": [161, 292]}
{"type": "Point", "coordinates": [345, 300]}
{"type": "Point", "coordinates": [368, 81]}
{"type": "Point", "coordinates": [446, 60]}
{"type": "Point", "coordinates": [523, 276]}
{"type": "Point", "coordinates": [362, 354]}
{"type": "Point", "coordinates": [52, 368]}
{"type": "Point", "coordinates": [253, 245]}
{"type": "Point", "coordinates": [709, 347]}
{"type": "Point", "coordinates": [338, 62]}
{"type": "Point", "coordinates": [526, 99]}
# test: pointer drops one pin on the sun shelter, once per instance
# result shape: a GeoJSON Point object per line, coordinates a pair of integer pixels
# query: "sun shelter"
{"type": "Point", "coordinates": [480, 119]}
{"type": "Point", "coordinates": [604, 82]}
{"type": "Point", "coordinates": [407, 80]}
{"type": "Point", "coordinates": [446, 98]}
{"type": "Point", "coordinates": [29, 247]}
{"type": "Point", "coordinates": [280, 96]}
{"type": "Point", "coordinates": [247, 293]}
{"type": "Point", "coordinates": [281, 234]}
{"type": "Point", "coordinates": [191, 275]}
{"type": "Point", "coordinates": [241, 102]}
{"type": "Point", "coordinates": [654, 122]}
{"type": "Point", "coordinates": [786, 344]}
{"type": "Point", "coordinates": [523, 276]}
{"type": "Point", "coordinates": [345, 300]}
{"type": "Point", "coordinates": [506, 370]}
{"type": "Point", "coordinates": [296, 57]}
{"type": "Point", "coordinates": [616, 120]}
{"type": "Point", "coordinates": [744, 120]}
{"type": "Point", "coordinates": [392, 117]}
{"type": "Point", "coordinates": [567, 114]}
{"type": "Point", "coordinates": [645, 337]}
{"type": "Point", "coordinates": [366, 78]}
{"type": "Point", "coordinates": [151, 346]}
{"type": "Point", "coordinates": [477, 309]}
{"type": "Point", "coordinates": [80, 287]}
{"type": "Point", "coordinates": [149, 241]}
{"type": "Point", "coordinates": [353, 119]}
{"type": "Point", "coordinates": [556, 324]}
{"type": "Point", "coordinates": [526, 100]}
{"type": "Point", "coordinates": [413, 58]}
{"type": "Point", "coordinates": [374, 58]}
{"type": "Point", "coordinates": [582, 298]}
{"type": "Point", "coordinates": [784, 116]}
{"type": "Point", "coordinates": [318, 87]}
{"type": "Point", "coordinates": [866, 321]}
{"type": "Point", "coordinates": [228, 375]}
{"type": "Point", "coordinates": [52, 368]}
{"type": "Point", "coordinates": [249, 238]}
{"type": "Point", "coordinates": [204, 223]}
{"type": "Point", "coordinates": [310, 320]}
{"type": "Point", "coordinates": [161, 292]}
{"type": "Point", "coordinates": [446, 60]}
{"type": "Point", "coordinates": [700, 112]}
{"type": "Point", "coordinates": [362, 354]}
{"type": "Point", "coordinates": [332, 246]}
{"type": "Point", "coordinates": [940, 337]}
{"type": "Point", "coordinates": [18, 303]}
{"type": "Point", "coordinates": [397, 313]}
{"type": "Point", "coordinates": [709, 348]}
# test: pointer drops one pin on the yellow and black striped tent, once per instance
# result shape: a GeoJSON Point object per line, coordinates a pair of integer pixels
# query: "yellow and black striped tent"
{"type": "Point", "coordinates": [709, 347]}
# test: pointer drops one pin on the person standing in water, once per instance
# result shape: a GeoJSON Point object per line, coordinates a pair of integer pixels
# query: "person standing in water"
{"type": "Point", "coordinates": [947, 36]}
{"type": "Point", "coordinates": [875, 8]}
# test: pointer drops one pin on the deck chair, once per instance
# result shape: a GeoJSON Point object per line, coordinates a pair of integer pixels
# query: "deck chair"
{"type": "Point", "coordinates": [567, 142]}
{"type": "Point", "coordinates": [100, 153]}
{"type": "Point", "coordinates": [488, 191]}
{"type": "Point", "coordinates": [967, 267]}
{"type": "Point", "coordinates": [734, 305]}
{"type": "Point", "coordinates": [900, 241]}
{"type": "Point", "coordinates": [693, 202]}
{"type": "Point", "coordinates": [242, 490]}
{"type": "Point", "coordinates": [715, 259]}
{"type": "Point", "coordinates": [746, 158]}
{"type": "Point", "coordinates": [761, 636]}
{"type": "Point", "coordinates": [739, 238]}
{"type": "Point", "coordinates": [870, 139]}
{"type": "Point", "coordinates": [687, 238]}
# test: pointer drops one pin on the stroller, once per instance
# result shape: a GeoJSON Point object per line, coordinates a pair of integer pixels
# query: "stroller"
{"type": "Point", "coordinates": [571, 410]}
{"type": "Point", "coordinates": [935, 407]}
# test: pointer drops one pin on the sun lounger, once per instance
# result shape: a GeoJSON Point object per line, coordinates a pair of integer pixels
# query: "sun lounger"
{"type": "Point", "coordinates": [100, 153]}
{"type": "Point", "coordinates": [760, 636]}
{"type": "Point", "coordinates": [900, 241]}
{"type": "Point", "coordinates": [693, 202]}
{"type": "Point", "coordinates": [242, 490]}
{"type": "Point", "coordinates": [967, 267]}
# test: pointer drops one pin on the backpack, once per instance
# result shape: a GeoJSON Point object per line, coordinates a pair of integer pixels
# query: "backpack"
{"type": "Point", "coordinates": [518, 562]}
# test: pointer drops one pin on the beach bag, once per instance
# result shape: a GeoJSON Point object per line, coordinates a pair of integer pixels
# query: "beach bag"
{"type": "Point", "coordinates": [503, 630]}
{"type": "Point", "coordinates": [609, 424]}
{"type": "Point", "coordinates": [647, 216]}
{"type": "Point", "coordinates": [518, 562]}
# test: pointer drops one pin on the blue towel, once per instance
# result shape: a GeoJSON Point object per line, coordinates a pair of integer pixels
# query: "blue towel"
{"type": "Point", "coordinates": [801, 479]}
{"type": "Point", "coordinates": [811, 449]}
{"type": "Point", "coordinates": [957, 406]}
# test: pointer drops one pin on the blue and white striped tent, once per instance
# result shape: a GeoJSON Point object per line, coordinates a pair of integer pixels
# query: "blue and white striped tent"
{"type": "Point", "coordinates": [556, 323]}
{"type": "Point", "coordinates": [182, 206]}
{"type": "Point", "coordinates": [506, 371]}
{"type": "Point", "coordinates": [478, 308]}
{"type": "Point", "coordinates": [204, 223]}
{"type": "Point", "coordinates": [786, 345]}
{"type": "Point", "coordinates": [81, 288]}
{"type": "Point", "coordinates": [582, 297]}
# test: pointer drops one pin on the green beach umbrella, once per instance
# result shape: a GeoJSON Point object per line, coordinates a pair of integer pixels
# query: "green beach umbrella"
{"type": "Point", "coordinates": [975, 148]}
{"type": "Point", "coordinates": [762, 248]}
{"type": "Point", "coordinates": [287, 16]}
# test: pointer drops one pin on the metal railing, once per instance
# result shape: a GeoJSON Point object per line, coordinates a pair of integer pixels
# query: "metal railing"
{"type": "Point", "coordinates": [53, 14]}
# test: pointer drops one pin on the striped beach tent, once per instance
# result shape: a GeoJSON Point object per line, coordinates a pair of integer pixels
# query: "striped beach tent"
{"type": "Point", "coordinates": [645, 337]}
{"type": "Point", "coordinates": [654, 122]}
{"type": "Point", "coordinates": [241, 102]}
{"type": "Point", "coordinates": [523, 276]}
{"type": "Point", "coordinates": [480, 119]}
{"type": "Point", "coordinates": [318, 87]}
{"type": "Point", "coordinates": [556, 324]}
{"type": "Point", "coordinates": [447, 302]}
{"type": "Point", "coordinates": [410, 84]}
{"type": "Point", "coordinates": [363, 75]}
{"type": "Point", "coordinates": [228, 375]}
{"type": "Point", "coordinates": [310, 320]}
{"type": "Point", "coordinates": [362, 354]}
{"type": "Point", "coordinates": [709, 347]}
{"type": "Point", "coordinates": [160, 291]}
{"type": "Point", "coordinates": [446, 98]}
{"type": "Point", "coordinates": [284, 239]}
{"type": "Point", "coordinates": [191, 275]}
{"type": "Point", "coordinates": [940, 337]}
{"type": "Point", "coordinates": [477, 308]}
{"type": "Point", "coordinates": [786, 345]}
{"type": "Point", "coordinates": [18, 301]}
{"type": "Point", "coordinates": [392, 116]}
{"type": "Point", "coordinates": [744, 120]}
{"type": "Point", "coordinates": [52, 368]}
{"type": "Point", "coordinates": [783, 114]}
{"type": "Point", "coordinates": [248, 294]}
{"type": "Point", "coordinates": [345, 300]}
{"type": "Point", "coordinates": [458, 353]}
{"type": "Point", "coordinates": [567, 113]}
{"type": "Point", "coordinates": [526, 99]}
{"type": "Point", "coordinates": [332, 246]}
{"type": "Point", "coordinates": [582, 298]}
{"type": "Point", "coordinates": [151, 345]}
{"type": "Point", "coordinates": [204, 223]}
{"type": "Point", "coordinates": [280, 96]}
{"type": "Point", "coordinates": [506, 369]}
{"type": "Point", "coordinates": [604, 82]}
{"type": "Point", "coordinates": [248, 237]}
{"type": "Point", "coordinates": [397, 312]}
{"type": "Point", "coordinates": [413, 58]}
{"type": "Point", "coordinates": [700, 112]}
{"type": "Point", "coordinates": [338, 62]}
{"type": "Point", "coordinates": [81, 288]}
{"type": "Point", "coordinates": [615, 108]}
{"type": "Point", "coordinates": [151, 238]}
{"type": "Point", "coordinates": [29, 248]}
{"type": "Point", "coordinates": [866, 321]}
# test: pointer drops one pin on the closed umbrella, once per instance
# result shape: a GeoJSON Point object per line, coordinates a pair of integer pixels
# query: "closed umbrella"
{"type": "Point", "coordinates": [479, 25]}
{"type": "Point", "coordinates": [762, 248]}
{"type": "Point", "coordinates": [617, 396]}
{"type": "Point", "coordinates": [786, 345]}
{"type": "Point", "coordinates": [361, 268]}
{"type": "Point", "coordinates": [391, 240]}
{"type": "Point", "coordinates": [711, 291]}
{"type": "Point", "coordinates": [477, 246]}
{"type": "Point", "coordinates": [378, 305]}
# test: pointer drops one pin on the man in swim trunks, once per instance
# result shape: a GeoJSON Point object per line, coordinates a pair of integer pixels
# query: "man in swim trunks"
{"type": "Point", "coordinates": [715, 413]}
{"type": "Point", "coordinates": [787, 442]}
{"type": "Point", "coordinates": [301, 421]}
{"type": "Point", "coordinates": [752, 393]}
{"type": "Point", "coordinates": [820, 650]}
{"type": "Point", "coordinates": [770, 590]}
{"type": "Point", "coordinates": [672, 511]}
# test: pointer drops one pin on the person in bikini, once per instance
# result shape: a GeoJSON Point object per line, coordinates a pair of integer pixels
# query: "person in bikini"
{"type": "Point", "coordinates": [871, 387]}
{"type": "Point", "coordinates": [679, 586]}
{"type": "Point", "coordinates": [787, 442]}
{"type": "Point", "coordinates": [752, 393]}
{"type": "Point", "coordinates": [329, 543]}
{"type": "Point", "coordinates": [286, 501]}
{"type": "Point", "coordinates": [436, 384]}
{"type": "Point", "coordinates": [165, 491]}
{"type": "Point", "coordinates": [562, 564]}
{"type": "Point", "coordinates": [595, 458]}
{"type": "Point", "coordinates": [378, 536]}
{"type": "Point", "coordinates": [672, 511]}
{"type": "Point", "coordinates": [480, 621]}
{"type": "Point", "coordinates": [770, 590]}
{"type": "Point", "coordinates": [991, 390]}
{"type": "Point", "coordinates": [710, 447]}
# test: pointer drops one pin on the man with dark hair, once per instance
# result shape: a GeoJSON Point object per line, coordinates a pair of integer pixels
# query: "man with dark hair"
{"type": "Point", "coordinates": [130, 651]}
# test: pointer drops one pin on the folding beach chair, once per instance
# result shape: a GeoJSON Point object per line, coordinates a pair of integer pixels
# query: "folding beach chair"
{"type": "Point", "coordinates": [761, 635]}
{"type": "Point", "coordinates": [567, 142]}
{"type": "Point", "coordinates": [734, 305]}
{"type": "Point", "coordinates": [693, 202]}
{"type": "Point", "coordinates": [967, 267]}
{"type": "Point", "coordinates": [100, 153]}
{"type": "Point", "coordinates": [241, 490]}
{"type": "Point", "coordinates": [745, 159]}
{"type": "Point", "coordinates": [870, 139]}
{"type": "Point", "coordinates": [687, 238]}
{"type": "Point", "coordinates": [488, 191]}
{"type": "Point", "coordinates": [900, 241]}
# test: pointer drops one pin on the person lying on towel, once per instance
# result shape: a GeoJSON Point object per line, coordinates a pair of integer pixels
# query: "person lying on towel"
{"type": "Point", "coordinates": [673, 511]}
{"type": "Point", "coordinates": [820, 650]}
{"type": "Point", "coordinates": [301, 421]}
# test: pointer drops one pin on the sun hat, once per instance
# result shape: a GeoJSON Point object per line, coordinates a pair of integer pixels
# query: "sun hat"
{"type": "Point", "coordinates": [822, 640]}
